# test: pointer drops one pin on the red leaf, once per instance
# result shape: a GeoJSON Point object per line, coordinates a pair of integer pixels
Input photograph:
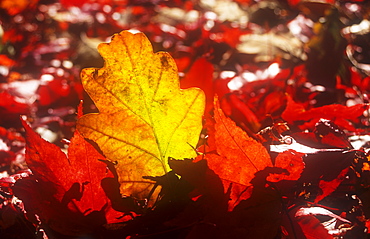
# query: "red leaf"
{"type": "Point", "coordinates": [236, 109]}
{"type": "Point", "coordinates": [54, 90]}
{"type": "Point", "coordinates": [11, 104]}
{"type": "Point", "coordinates": [238, 156]}
{"type": "Point", "coordinates": [200, 75]}
{"type": "Point", "coordinates": [341, 115]}
{"type": "Point", "coordinates": [11, 108]}
{"type": "Point", "coordinates": [76, 179]}
{"type": "Point", "coordinates": [325, 135]}
{"type": "Point", "coordinates": [233, 143]}
{"type": "Point", "coordinates": [328, 187]}
{"type": "Point", "coordinates": [311, 226]}
{"type": "Point", "coordinates": [291, 161]}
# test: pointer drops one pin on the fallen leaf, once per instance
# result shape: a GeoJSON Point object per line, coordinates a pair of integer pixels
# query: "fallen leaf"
{"type": "Point", "coordinates": [341, 115]}
{"type": "Point", "coordinates": [326, 135]}
{"type": "Point", "coordinates": [328, 187]}
{"type": "Point", "coordinates": [11, 108]}
{"type": "Point", "coordinates": [291, 161]}
{"type": "Point", "coordinates": [53, 91]}
{"type": "Point", "coordinates": [238, 156]}
{"type": "Point", "coordinates": [73, 182]}
{"type": "Point", "coordinates": [233, 143]}
{"type": "Point", "coordinates": [144, 116]}
{"type": "Point", "coordinates": [311, 226]}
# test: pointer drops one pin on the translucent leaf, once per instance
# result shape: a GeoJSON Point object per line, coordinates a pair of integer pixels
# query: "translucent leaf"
{"type": "Point", "coordinates": [144, 116]}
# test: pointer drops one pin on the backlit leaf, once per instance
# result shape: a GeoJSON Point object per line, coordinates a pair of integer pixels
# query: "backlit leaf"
{"type": "Point", "coordinates": [71, 184]}
{"type": "Point", "coordinates": [235, 144]}
{"type": "Point", "coordinates": [291, 161]}
{"type": "Point", "coordinates": [238, 156]}
{"type": "Point", "coordinates": [144, 116]}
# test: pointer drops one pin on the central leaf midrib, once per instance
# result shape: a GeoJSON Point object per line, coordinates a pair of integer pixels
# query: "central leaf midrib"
{"type": "Point", "coordinates": [148, 108]}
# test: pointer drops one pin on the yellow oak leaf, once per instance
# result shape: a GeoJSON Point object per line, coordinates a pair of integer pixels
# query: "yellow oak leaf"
{"type": "Point", "coordinates": [144, 117]}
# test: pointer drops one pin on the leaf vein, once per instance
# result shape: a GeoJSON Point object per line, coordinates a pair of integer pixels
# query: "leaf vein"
{"type": "Point", "coordinates": [123, 141]}
{"type": "Point", "coordinates": [233, 139]}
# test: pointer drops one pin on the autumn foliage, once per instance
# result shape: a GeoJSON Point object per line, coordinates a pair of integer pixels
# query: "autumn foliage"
{"type": "Point", "coordinates": [188, 143]}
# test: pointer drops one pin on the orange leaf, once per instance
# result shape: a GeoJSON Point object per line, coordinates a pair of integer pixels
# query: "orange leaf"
{"type": "Point", "coordinates": [238, 156]}
{"type": "Point", "coordinates": [291, 161]}
{"type": "Point", "coordinates": [233, 143]}
{"type": "Point", "coordinates": [145, 117]}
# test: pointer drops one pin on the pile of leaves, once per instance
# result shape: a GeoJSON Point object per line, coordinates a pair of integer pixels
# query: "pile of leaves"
{"type": "Point", "coordinates": [138, 169]}
{"type": "Point", "coordinates": [271, 144]}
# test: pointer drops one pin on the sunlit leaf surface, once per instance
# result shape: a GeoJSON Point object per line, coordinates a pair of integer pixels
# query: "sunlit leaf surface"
{"type": "Point", "coordinates": [144, 116]}
{"type": "Point", "coordinates": [238, 156]}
